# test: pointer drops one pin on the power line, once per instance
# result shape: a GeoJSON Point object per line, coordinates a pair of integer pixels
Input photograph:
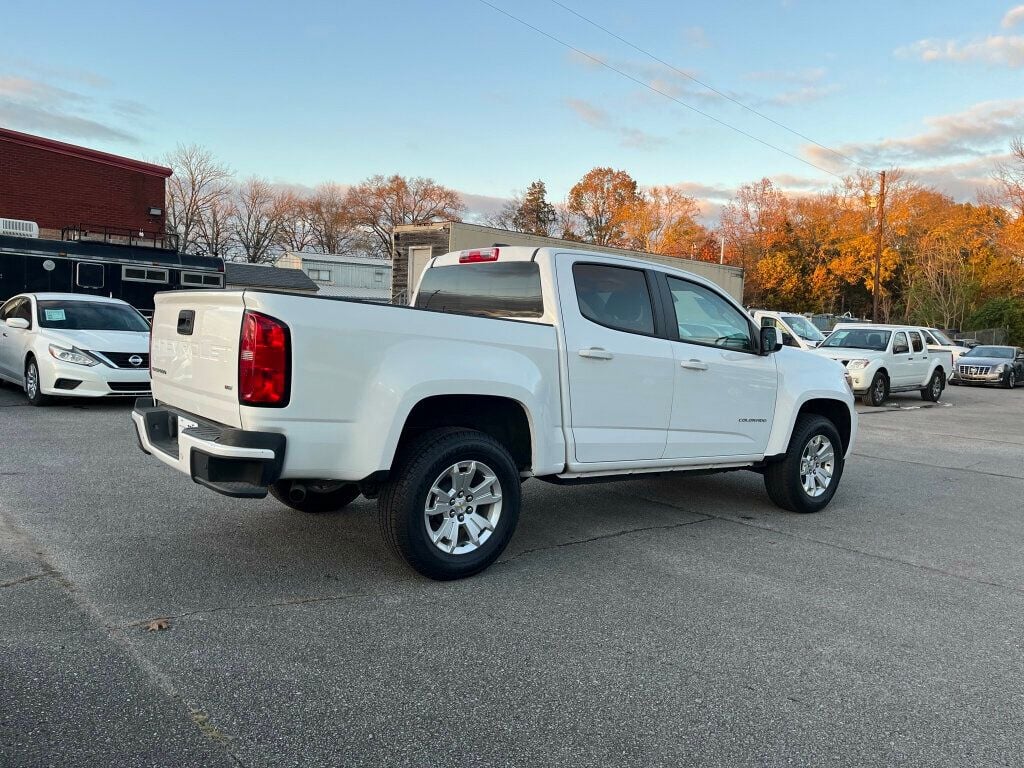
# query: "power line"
{"type": "Point", "coordinates": [711, 88]}
{"type": "Point", "coordinates": [660, 92]}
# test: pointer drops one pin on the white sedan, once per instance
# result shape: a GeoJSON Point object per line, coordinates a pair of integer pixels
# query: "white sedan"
{"type": "Point", "coordinates": [74, 345]}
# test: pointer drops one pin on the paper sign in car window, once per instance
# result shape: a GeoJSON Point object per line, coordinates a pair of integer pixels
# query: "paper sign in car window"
{"type": "Point", "coordinates": [54, 314]}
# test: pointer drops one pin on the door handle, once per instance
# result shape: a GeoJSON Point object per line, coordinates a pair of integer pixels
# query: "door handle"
{"type": "Point", "coordinates": [694, 365]}
{"type": "Point", "coordinates": [596, 353]}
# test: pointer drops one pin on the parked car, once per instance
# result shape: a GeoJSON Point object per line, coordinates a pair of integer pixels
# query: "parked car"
{"type": "Point", "coordinates": [992, 365]}
{"type": "Point", "coordinates": [882, 359]}
{"type": "Point", "coordinates": [55, 344]}
{"type": "Point", "coordinates": [567, 366]}
{"type": "Point", "coordinates": [937, 341]}
{"type": "Point", "coordinates": [797, 330]}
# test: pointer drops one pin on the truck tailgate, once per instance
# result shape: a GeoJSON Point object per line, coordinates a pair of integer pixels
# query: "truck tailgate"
{"type": "Point", "coordinates": [195, 352]}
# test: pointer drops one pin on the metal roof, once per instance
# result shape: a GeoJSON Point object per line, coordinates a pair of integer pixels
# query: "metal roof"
{"type": "Point", "coordinates": [238, 273]}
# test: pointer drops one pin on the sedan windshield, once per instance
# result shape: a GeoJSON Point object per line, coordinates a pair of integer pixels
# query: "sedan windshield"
{"type": "Point", "coordinates": [942, 338]}
{"type": "Point", "coordinates": [1006, 352]}
{"type": "Point", "coordinates": [858, 338]}
{"type": "Point", "coordinates": [803, 327]}
{"type": "Point", "coordinates": [90, 316]}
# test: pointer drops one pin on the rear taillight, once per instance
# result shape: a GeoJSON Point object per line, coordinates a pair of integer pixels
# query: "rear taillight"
{"type": "Point", "coordinates": [264, 369]}
{"type": "Point", "coordinates": [477, 255]}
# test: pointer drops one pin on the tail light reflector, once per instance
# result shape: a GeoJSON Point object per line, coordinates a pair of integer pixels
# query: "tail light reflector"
{"type": "Point", "coordinates": [478, 255]}
{"type": "Point", "coordinates": [264, 361]}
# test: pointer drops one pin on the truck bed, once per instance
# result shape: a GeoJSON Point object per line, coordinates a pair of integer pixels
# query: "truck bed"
{"type": "Point", "coordinates": [357, 369]}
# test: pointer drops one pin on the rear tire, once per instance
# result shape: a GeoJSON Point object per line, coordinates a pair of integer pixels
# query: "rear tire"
{"type": "Point", "coordinates": [428, 513]}
{"type": "Point", "coordinates": [33, 384]}
{"type": "Point", "coordinates": [936, 384]}
{"type": "Point", "coordinates": [314, 496]}
{"type": "Point", "coordinates": [814, 459]}
{"type": "Point", "coordinates": [878, 392]}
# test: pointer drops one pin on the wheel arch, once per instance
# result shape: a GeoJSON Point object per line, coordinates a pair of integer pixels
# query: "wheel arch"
{"type": "Point", "coordinates": [503, 418]}
{"type": "Point", "coordinates": [836, 411]}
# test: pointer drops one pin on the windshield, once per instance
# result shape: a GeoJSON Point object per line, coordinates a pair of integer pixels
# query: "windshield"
{"type": "Point", "coordinates": [858, 338]}
{"type": "Point", "coordinates": [90, 316]}
{"type": "Point", "coordinates": [803, 327]}
{"type": "Point", "coordinates": [942, 338]}
{"type": "Point", "coordinates": [1006, 352]}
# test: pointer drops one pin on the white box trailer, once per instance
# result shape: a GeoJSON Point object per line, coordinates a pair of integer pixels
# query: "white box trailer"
{"type": "Point", "coordinates": [413, 245]}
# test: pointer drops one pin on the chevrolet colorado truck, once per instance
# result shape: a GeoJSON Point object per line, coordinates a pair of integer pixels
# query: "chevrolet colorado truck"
{"type": "Point", "coordinates": [882, 359]}
{"type": "Point", "coordinates": [511, 363]}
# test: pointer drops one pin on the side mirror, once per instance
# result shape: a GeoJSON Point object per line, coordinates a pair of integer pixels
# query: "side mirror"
{"type": "Point", "coordinates": [17, 322]}
{"type": "Point", "coordinates": [771, 340]}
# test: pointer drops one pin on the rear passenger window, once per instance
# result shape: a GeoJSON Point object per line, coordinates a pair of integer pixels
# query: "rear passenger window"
{"type": "Point", "coordinates": [915, 341]}
{"type": "Point", "coordinates": [497, 289]}
{"type": "Point", "coordinates": [616, 297]}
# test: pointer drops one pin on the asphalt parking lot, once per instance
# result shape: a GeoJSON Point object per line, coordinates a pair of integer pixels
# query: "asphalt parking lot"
{"type": "Point", "coordinates": [668, 621]}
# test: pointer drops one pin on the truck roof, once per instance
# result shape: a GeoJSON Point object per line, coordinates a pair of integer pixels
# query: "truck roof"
{"type": "Point", "coordinates": [520, 253]}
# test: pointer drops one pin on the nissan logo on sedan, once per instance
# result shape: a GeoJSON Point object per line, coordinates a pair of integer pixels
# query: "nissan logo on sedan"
{"type": "Point", "coordinates": [135, 360]}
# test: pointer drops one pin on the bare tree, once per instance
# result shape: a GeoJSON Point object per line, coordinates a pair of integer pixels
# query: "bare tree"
{"type": "Point", "coordinates": [215, 228]}
{"type": "Point", "coordinates": [331, 226]}
{"type": "Point", "coordinates": [1009, 177]}
{"type": "Point", "coordinates": [257, 224]}
{"type": "Point", "coordinates": [296, 232]}
{"type": "Point", "coordinates": [199, 181]}
{"type": "Point", "coordinates": [381, 203]}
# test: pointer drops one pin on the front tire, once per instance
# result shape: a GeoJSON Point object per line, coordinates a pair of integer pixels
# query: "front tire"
{"type": "Point", "coordinates": [453, 503]}
{"type": "Point", "coordinates": [1011, 379]}
{"type": "Point", "coordinates": [33, 384]}
{"type": "Point", "coordinates": [314, 496]}
{"type": "Point", "coordinates": [806, 480]}
{"type": "Point", "coordinates": [878, 392]}
{"type": "Point", "coordinates": [932, 392]}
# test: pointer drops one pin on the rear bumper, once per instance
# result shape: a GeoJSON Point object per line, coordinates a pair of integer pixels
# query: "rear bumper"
{"type": "Point", "coordinates": [233, 462]}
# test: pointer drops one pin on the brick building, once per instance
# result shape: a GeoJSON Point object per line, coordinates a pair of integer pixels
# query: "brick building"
{"type": "Point", "coordinates": [60, 185]}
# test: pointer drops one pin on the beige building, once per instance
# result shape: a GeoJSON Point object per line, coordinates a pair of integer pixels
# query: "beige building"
{"type": "Point", "coordinates": [413, 245]}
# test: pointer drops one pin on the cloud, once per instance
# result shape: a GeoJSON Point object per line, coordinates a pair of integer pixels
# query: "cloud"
{"type": "Point", "coordinates": [595, 117]}
{"type": "Point", "coordinates": [962, 180]}
{"type": "Point", "coordinates": [1002, 50]}
{"type": "Point", "coordinates": [38, 107]}
{"type": "Point", "coordinates": [978, 130]}
{"type": "Point", "coordinates": [480, 207]}
{"type": "Point", "coordinates": [1013, 17]}
{"type": "Point", "coordinates": [995, 50]}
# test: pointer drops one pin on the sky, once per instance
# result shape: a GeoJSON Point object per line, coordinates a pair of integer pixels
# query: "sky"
{"type": "Point", "coordinates": [307, 92]}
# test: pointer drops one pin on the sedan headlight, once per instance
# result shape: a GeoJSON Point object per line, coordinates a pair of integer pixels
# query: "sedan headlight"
{"type": "Point", "coordinates": [856, 365]}
{"type": "Point", "coordinates": [72, 355]}
{"type": "Point", "coordinates": [1001, 368]}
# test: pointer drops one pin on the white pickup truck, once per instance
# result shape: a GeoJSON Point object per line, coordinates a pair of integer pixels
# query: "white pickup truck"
{"type": "Point", "coordinates": [797, 330]}
{"type": "Point", "coordinates": [513, 363]}
{"type": "Point", "coordinates": [882, 359]}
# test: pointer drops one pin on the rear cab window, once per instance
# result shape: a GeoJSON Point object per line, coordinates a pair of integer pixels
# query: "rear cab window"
{"type": "Point", "coordinates": [509, 289]}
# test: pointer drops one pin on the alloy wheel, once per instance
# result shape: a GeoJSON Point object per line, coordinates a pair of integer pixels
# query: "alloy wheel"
{"type": "Point", "coordinates": [32, 380]}
{"type": "Point", "coordinates": [817, 465]}
{"type": "Point", "coordinates": [462, 507]}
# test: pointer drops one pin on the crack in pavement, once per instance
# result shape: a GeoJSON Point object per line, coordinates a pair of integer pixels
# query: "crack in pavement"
{"type": "Point", "coordinates": [937, 466]}
{"type": "Point", "coordinates": [604, 536]}
{"type": "Point", "coordinates": [843, 548]}
{"type": "Point", "coordinates": [25, 579]}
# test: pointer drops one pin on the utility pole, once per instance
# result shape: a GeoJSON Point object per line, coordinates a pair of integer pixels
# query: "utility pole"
{"type": "Point", "coordinates": [721, 249]}
{"type": "Point", "coordinates": [878, 245]}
